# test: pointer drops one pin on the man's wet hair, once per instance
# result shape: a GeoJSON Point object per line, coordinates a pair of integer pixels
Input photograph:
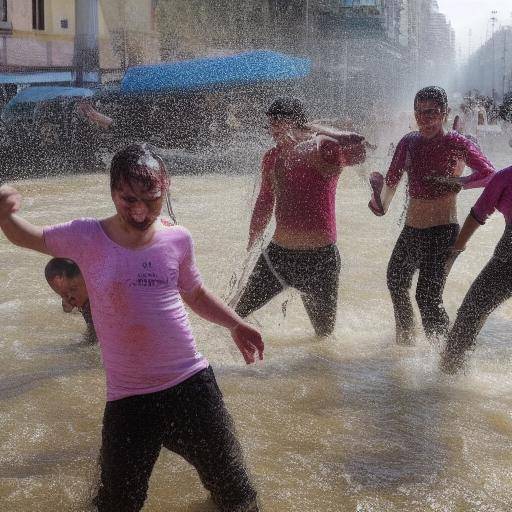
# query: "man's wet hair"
{"type": "Point", "coordinates": [433, 93]}
{"type": "Point", "coordinates": [61, 267]}
{"type": "Point", "coordinates": [289, 109]}
{"type": "Point", "coordinates": [138, 163]}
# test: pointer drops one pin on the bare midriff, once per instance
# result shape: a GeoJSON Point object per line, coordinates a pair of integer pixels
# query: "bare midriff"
{"type": "Point", "coordinates": [426, 213]}
{"type": "Point", "coordinates": [300, 240]}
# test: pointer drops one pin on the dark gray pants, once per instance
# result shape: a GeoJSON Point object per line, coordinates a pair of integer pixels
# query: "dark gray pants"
{"type": "Point", "coordinates": [491, 288]}
{"type": "Point", "coordinates": [314, 273]}
{"type": "Point", "coordinates": [424, 250]}
{"type": "Point", "coordinates": [189, 419]}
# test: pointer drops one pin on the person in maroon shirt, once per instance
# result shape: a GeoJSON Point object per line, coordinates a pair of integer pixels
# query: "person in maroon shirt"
{"type": "Point", "coordinates": [298, 186]}
{"type": "Point", "coordinates": [434, 161]}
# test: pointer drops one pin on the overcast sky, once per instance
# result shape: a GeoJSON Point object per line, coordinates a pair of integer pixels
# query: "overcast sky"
{"type": "Point", "coordinates": [474, 15]}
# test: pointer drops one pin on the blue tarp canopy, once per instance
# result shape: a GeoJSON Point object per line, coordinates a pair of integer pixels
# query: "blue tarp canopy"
{"type": "Point", "coordinates": [241, 69]}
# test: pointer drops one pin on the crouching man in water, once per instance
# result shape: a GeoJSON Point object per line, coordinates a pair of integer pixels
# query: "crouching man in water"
{"type": "Point", "coordinates": [66, 280]}
{"type": "Point", "coordinates": [160, 390]}
{"type": "Point", "coordinates": [299, 179]}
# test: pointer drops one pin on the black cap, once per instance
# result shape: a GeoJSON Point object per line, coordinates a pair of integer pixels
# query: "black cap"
{"type": "Point", "coordinates": [288, 108]}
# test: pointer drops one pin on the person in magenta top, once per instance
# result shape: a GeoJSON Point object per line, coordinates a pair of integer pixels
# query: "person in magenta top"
{"type": "Point", "coordinates": [299, 177]}
{"type": "Point", "coordinates": [161, 391]}
{"type": "Point", "coordinates": [493, 286]}
{"type": "Point", "coordinates": [434, 161]}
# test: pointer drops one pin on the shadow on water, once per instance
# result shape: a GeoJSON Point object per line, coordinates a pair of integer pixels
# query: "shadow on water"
{"type": "Point", "coordinates": [390, 434]}
{"type": "Point", "coordinates": [41, 463]}
{"type": "Point", "coordinates": [15, 385]}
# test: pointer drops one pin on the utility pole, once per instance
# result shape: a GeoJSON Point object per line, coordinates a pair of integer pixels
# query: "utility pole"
{"type": "Point", "coordinates": [86, 54]}
{"type": "Point", "coordinates": [306, 19]}
{"type": "Point", "coordinates": [505, 32]}
{"type": "Point", "coordinates": [494, 19]}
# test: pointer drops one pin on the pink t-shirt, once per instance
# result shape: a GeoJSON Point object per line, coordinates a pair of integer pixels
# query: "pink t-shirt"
{"type": "Point", "coordinates": [497, 195]}
{"type": "Point", "coordinates": [142, 326]}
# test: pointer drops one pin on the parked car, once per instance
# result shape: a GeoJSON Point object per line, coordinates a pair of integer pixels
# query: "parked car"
{"type": "Point", "coordinates": [174, 105]}
{"type": "Point", "coordinates": [43, 116]}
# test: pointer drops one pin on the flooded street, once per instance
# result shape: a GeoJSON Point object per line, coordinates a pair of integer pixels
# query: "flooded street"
{"type": "Point", "coordinates": [350, 423]}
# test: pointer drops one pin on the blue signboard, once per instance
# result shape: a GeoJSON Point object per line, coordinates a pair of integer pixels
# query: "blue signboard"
{"type": "Point", "coordinates": [360, 3]}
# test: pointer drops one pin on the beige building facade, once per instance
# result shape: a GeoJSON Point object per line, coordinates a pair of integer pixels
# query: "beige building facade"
{"type": "Point", "coordinates": [40, 34]}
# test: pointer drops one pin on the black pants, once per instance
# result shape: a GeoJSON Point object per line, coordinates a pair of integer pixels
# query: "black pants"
{"type": "Point", "coordinates": [314, 273]}
{"type": "Point", "coordinates": [491, 288]}
{"type": "Point", "coordinates": [189, 419]}
{"type": "Point", "coordinates": [425, 250]}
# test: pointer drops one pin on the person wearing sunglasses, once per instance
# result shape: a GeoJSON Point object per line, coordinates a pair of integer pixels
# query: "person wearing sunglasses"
{"type": "Point", "coordinates": [299, 179]}
{"type": "Point", "coordinates": [434, 161]}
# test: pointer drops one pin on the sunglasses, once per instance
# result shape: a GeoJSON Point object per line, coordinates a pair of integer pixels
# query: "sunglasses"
{"type": "Point", "coordinates": [428, 112]}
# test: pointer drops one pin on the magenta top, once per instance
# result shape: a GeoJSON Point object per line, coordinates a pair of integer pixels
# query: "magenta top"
{"type": "Point", "coordinates": [497, 195]}
{"type": "Point", "coordinates": [425, 158]}
{"type": "Point", "coordinates": [142, 326]}
{"type": "Point", "coordinates": [304, 198]}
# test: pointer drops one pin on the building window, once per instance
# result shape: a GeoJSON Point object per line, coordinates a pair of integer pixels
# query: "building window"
{"type": "Point", "coordinates": [3, 10]}
{"type": "Point", "coordinates": [38, 14]}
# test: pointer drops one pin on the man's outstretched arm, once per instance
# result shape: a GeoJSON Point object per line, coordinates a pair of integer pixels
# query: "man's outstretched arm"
{"type": "Point", "coordinates": [17, 230]}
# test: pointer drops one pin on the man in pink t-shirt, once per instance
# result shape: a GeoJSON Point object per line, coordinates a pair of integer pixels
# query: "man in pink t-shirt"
{"type": "Point", "coordinates": [161, 391]}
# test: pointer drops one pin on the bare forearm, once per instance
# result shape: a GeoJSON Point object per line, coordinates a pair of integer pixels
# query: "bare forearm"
{"type": "Point", "coordinates": [259, 223]}
{"type": "Point", "coordinates": [211, 308]}
{"type": "Point", "coordinates": [469, 227]}
{"type": "Point", "coordinates": [24, 234]}
{"type": "Point", "coordinates": [104, 121]}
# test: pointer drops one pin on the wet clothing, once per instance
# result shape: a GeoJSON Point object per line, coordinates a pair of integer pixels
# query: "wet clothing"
{"type": "Point", "coordinates": [497, 195]}
{"type": "Point", "coordinates": [491, 288]}
{"type": "Point", "coordinates": [145, 336]}
{"type": "Point", "coordinates": [304, 198]}
{"type": "Point", "coordinates": [425, 250]}
{"type": "Point", "coordinates": [159, 390]}
{"type": "Point", "coordinates": [424, 158]}
{"type": "Point", "coordinates": [314, 273]}
{"type": "Point", "coordinates": [189, 419]}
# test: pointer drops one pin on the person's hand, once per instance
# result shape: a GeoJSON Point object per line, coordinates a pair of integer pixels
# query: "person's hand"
{"type": "Point", "coordinates": [248, 340]}
{"type": "Point", "coordinates": [86, 110]}
{"type": "Point", "coordinates": [67, 307]}
{"type": "Point", "coordinates": [452, 255]}
{"type": "Point", "coordinates": [10, 202]}
{"type": "Point", "coordinates": [452, 183]}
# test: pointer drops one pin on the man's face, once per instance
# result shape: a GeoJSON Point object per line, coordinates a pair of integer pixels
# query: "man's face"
{"type": "Point", "coordinates": [136, 205]}
{"type": "Point", "coordinates": [71, 289]}
{"type": "Point", "coordinates": [429, 117]}
{"type": "Point", "coordinates": [281, 129]}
